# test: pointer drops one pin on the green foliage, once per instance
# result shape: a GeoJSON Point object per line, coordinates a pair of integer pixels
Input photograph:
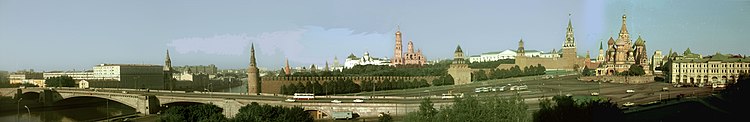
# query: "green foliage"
{"type": "Point", "coordinates": [427, 110]}
{"type": "Point", "coordinates": [565, 109]}
{"type": "Point", "coordinates": [330, 87]}
{"type": "Point", "coordinates": [443, 80]}
{"type": "Point", "coordinates": [385, 118]}
{"type": "Point", "coordinates": [491, 64]}
{"type": "Point", "coordinates": [515, 71]}
{"type": "Point", "coordinates": [348, 86]}
{"type": "Point", "coordinates": [479, 75]}
{"type": "Point", "coordinates": [588, 72]}
{"type": "Point", "coordinates": [437, 69]}
{"type": "Point", "coordinates": [194, 113]}
{"type": "Point", "coordinates": [470, 109]}
{"type": "Point", "coordinates": [634, 70]}
{"type": "Point", "coordinates": [267, 113]}
{"type": "Point", "coordinates": [62, 81]}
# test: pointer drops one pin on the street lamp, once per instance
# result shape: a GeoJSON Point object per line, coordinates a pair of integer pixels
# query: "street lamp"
{"type": "Point", "coordinates": [27, 109]}
{"type": "Point", "coordinates": [209, 90]}
{"type": "Point", "coordinates": [18, 108]}
{"type": "Point", "coordinates": [135, 85]}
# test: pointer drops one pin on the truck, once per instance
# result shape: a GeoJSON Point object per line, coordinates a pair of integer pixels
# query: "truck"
{"type": "Point", "coordinates": [346, 115]}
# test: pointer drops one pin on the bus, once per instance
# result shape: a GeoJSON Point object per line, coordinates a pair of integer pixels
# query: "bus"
{"type": "Point", "coordinates": [304, 96]}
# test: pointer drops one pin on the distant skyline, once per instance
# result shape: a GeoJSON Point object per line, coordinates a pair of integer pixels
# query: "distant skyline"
{"type": "Point", "coordinates": [49, 35]}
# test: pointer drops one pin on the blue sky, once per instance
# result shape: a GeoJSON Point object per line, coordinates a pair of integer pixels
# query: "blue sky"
{"type": "Point", "coordinates": [64, 35]}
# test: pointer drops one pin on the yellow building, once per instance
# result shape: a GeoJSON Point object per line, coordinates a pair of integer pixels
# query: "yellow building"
{"type": "Point", "coordinates": [31, 77]}
{"type": "Point", "coordinates": [716, 69]}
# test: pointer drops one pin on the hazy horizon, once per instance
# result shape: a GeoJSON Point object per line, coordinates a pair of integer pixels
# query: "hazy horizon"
{"type": "Point", "coordinates": [65, 35]}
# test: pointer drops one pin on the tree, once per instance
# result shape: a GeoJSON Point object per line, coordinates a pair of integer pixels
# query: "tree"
{"type": "Point", "coordinates": [479, 75]}
{"type": "Point", "coordinates": [385, 118]}
{"type": "Point", "coordinates": [317, 88]}
{"type": "Point", "coordinates": [426, 109]}
{"type": "Point", "coordinates": [284, 90]}
{"type": "Point", "coordinates": [61, 81]}
{"type": "Point", "coordinates": [193, 113]}
{"type": "Point", "coordinates": [255, 112]}
{"type": "Point", "coordinates": [588, 72]}
{"type": "Point", "coordinates": [566, 109]}
{"type": "Point", "coordinates": [634, 70]}
{"type": "Point", "coordinates": [470, 109]}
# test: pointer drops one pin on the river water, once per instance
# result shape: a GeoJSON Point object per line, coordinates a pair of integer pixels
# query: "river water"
{"type": "Point", "coordinates": [68, 113]}
{"type": "Point", "coordinates": [91, 109]}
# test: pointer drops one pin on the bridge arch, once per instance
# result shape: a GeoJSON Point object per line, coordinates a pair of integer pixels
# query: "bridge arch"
{"type": "Point", "coordinates": [316, 114]}
{"type": "Point", "coordinates": [145, 104]}
{"type": "Point", "coordinates": [121, 101]}
{"type": "Point", "coordinates": [230, 108]}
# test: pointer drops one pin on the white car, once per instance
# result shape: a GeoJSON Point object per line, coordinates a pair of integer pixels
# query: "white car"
{"type": "Point", "coordinates": [477, 90]}
{"type": "Point", "coordinates": [358, 100]}
{"type": "Point", "coordinates": [628, 104]}
{"type": "Point", "coordinates": [335, 101]}
{"type": "Point", "coordinates": [290, 100]}
{"type": "Point", "coordinates": [594, 93]}
{"type": "Point", "coordinates": [630, 91]}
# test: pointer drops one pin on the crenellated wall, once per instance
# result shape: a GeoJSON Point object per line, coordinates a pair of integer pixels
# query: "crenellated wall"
{"type": "Point", "coordinates": [273, 84]}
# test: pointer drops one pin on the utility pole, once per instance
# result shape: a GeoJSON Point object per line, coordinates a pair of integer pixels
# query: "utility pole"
{"type": "Point", "coordinates": [18, 108]}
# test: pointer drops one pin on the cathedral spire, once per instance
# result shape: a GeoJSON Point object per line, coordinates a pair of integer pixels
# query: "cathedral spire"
{"type": "Point", "coordinates": [287, 69]}
{"type": "Point", "coordinates": [168, 63]}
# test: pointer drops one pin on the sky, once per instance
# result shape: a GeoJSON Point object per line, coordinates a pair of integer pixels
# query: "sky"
{"type": "Point", "coordinates": [47, 35]}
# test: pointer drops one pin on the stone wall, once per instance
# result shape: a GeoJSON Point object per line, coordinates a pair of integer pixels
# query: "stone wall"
{"type": "Point", "coordinates": [273, 84]}
{"type": "Point", "coordinates": [620, 79]}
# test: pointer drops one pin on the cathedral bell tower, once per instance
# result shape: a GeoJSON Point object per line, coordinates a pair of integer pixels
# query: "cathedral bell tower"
{"type": "Point", "coordinates": [169, 83]}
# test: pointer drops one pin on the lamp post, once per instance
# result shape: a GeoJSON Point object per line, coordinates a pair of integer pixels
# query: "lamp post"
{"type": "Point", "coordinates": [135, 85]}
{"type": "Point", "coordinates": [18, 108]}
{"type": "Point", "coordinates": [27, 109]}
{"type": "Point", "coordinates": [208, 89]}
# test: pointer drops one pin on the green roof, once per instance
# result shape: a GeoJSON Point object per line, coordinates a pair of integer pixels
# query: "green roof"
{"type": "Point", "coordinates": [715, 57]}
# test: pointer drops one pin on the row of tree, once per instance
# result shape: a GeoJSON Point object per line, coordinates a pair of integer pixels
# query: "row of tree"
{"type": "Point", "coordinates": [253, 112]}
{"type": "Point", "coordinates": [566, 109]}
{"type": "Point", "coordinates": [443, 80]}
{"type": "Point", "coordinates": [491, 64]}
{"type": "Point", "coordinates": [348, 86]}
{"type": "Point", "coordinates": [61, 81]}
{"type": "Point", "coordinates": [515, 71]}
{"type": "Point", "coordinates": [470, 109]}
{"type": "Point", "coordinates": [388, 84]}
{"type": "Point", "coordinates": [330, 87]}
{"type": "Point", "coordinates": [436, 69]}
